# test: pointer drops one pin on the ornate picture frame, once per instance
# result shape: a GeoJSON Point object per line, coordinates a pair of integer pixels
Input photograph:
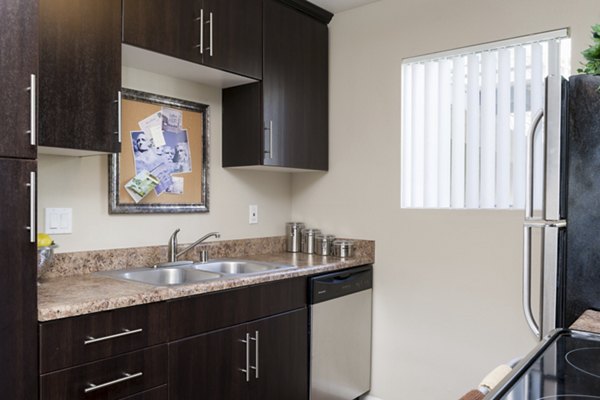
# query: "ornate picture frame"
{"type": "Point", "coordinates": [163, 166]}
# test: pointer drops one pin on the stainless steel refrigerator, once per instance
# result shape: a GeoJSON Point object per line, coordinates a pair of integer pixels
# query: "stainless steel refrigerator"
{"type": "Point", "coordinates": [569, 216]}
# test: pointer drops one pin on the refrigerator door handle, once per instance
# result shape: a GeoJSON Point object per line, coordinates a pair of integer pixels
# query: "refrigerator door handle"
{"type": "Point", "coordinates": [530, 222]}
{"type": "Point", "coordinates": [550, 276]}
{"type": "Point", "coordinates": [529, 165]}
{"type": "Point", "coordinates": [533, 325]}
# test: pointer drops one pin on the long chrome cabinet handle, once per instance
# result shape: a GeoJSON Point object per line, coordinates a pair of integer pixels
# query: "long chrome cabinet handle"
{"type": "Point", "coordinates": [126, 332]}
{"type": "Point", "coordinates": [271, 150]}
{"type": "Point", "coordinates": [247, 369]}
{"type": "Point", "coordinates": [119, 131]}
{"type": "Point", "coordinates": [32, 110]}
{"type": "Point", "coordinates": [200, 19]}
{"type": "Point", "coordinates": [32, 207]}
{"type": "Point", "coordinates": [210, 21]}
{"type": "Point", "coordinates": [270, 129]}
{"type": "Point", "coordinates": [127, 377]}
{"type": "Point", "coordinates": [256, 365]}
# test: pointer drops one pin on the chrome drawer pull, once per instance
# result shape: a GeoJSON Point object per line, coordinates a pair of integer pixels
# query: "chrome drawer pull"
{"type": "Point", "coordinates": [32, 110]}
{"type": "Point", "coordinates": [92, 387]}
{"type": "Point", "coordinates": [32, 208]}
{"type": "Point", "coordinates": [201, 20]}
{"type": "Point", "coordinates": [119, 115]}
{"type": "Point", "coordinates": [255, 367]}
{"type": "Point", "coordinates": [126, 332]}
{"type": "Point", "coordinates": [247, 370]}
{"type": "Point", "coordinates": [210, 21]}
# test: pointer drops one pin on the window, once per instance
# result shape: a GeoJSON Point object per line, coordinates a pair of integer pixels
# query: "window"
{"type": "Point", "coordinates": [465, 117]}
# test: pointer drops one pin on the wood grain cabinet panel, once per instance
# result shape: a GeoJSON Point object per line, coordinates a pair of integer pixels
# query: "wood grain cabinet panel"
{"type": "Point", "coordinates": [18, 292]}
{"type": "Point", "coordinates": [223, 34]}
{"type": "Point", "coordinates": [281, 355]}
{"type": "Point", "coordinates": [222, 309]}
{"type": "Point", "coordinates": [63, 342]}
{"type": "Point", "coordinates": [18, 61]}
{"type": "Point", "coordinates": [164, 26]}
{"type": "Point", "coordinates": [159, 393]}
{"type": "Point", "coordinates": [283, 120]}
{"type": "Point", "coordinates": [236, 34]}
{"type": "Point", "coordinates": [80, 74]}
{"type": "Point", "coordinates": [264, 360]}
{"type": "Point", "coordinates": [114, 378]}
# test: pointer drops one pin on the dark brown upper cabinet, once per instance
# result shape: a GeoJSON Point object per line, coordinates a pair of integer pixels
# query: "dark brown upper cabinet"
{"type": "Point", "coordinates": [283, 120]}
{"type": "Point", "coordinates": [80, 74]}
{"type": "Point", "coordinates": [18, 70]}
{"type": "Point", "coordinates": [223, 34]}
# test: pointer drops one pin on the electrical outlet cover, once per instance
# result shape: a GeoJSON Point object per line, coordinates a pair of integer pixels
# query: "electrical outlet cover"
{"type": "Point", "coordinates": [253, 214]}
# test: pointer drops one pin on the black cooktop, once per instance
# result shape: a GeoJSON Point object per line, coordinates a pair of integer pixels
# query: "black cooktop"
{"type": "Point", "coordinates": [566, 366]}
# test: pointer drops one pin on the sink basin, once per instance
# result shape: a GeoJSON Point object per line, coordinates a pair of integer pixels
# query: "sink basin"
{"type": "Point", "coordinates": [238, 267]}
{"type": "Point", "coordinates": [186, 272]}
{"type": "Point", "coordinates": [162, 276]}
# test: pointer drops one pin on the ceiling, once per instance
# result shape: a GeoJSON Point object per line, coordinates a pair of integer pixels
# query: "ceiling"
{"type": "Point", "coordinates": [336, 6]}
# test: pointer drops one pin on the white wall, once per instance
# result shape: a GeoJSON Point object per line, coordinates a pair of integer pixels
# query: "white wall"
{"type": "Point", "coordinates": [447, 283]}
{"type": "Point", "coordinates": [82, 183]}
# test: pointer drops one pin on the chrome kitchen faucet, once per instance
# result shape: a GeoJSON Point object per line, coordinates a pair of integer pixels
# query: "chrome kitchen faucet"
{"type": "Point", "coordinates": [172, 253]}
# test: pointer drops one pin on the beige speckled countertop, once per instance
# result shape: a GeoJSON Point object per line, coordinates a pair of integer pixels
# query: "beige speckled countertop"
{"type": "Point", "coordinates": [589, 321]}
{"type": "Point", "coordinates": [67, 296]}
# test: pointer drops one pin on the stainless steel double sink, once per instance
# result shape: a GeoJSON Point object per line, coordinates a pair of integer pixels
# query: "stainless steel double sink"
{"type": "Point", "coordinates": [187, 272]}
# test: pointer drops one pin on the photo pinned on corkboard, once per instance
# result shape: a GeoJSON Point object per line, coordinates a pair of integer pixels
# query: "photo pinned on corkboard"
{"type": "Point", "coordinates": [163, 164]}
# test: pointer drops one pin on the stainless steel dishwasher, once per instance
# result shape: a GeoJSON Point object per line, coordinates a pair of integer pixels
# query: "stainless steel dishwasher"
{"type": "Point", "coordinates": [340, 334]}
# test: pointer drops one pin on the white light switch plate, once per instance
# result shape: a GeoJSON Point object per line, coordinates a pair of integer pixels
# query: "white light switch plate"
{"type": "Point", "coordinates": [253, 214]}
{"type": "Point", "coordinates": [59, 220]}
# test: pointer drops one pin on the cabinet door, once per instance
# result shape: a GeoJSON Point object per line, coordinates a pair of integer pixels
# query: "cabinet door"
{"type": "Point", "coordinates": [295, 91]}
{"type": "Point", "coordinates": [279, 357]}
{"type": "Point", "coordinates": [233, 41]}
{"type": "Point", "coordinates": [170, 27]}
{"type": "Point", "coordinates": [80, 74]}
{"type": "Point", "coordinates": [208, 367]}
{"type": "Point", "coordinates": [18, 61]}
{"type": "Point", "coordinates": [18, 293]}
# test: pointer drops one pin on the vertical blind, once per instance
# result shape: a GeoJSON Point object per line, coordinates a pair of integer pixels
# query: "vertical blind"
{"type": "Point", "coordinates": [465, 117]}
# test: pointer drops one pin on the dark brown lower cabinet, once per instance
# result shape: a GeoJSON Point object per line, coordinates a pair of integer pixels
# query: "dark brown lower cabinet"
{"type": "Point", "coordinates": [266, 359]}
{"type": "Point", "coordinates": [112, 378]}
{"type": "Point", "coordinates": [282, 351]}
{"type": "Point", "coordinates": [159, 393]}
{"type": "Point", "coordinates": [18, 292]}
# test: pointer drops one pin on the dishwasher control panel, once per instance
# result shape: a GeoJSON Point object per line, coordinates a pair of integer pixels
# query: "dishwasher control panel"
{"type": "Point", "coordinates": [340, 283]}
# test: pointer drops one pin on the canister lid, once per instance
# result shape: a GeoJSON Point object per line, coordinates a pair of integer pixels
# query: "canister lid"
{"type": "Point", "coordinates": [324, 237]}
{"type": "Point", "coordinates": [343, 243]}
{"type": "Point", "coordinates": [310, 231]}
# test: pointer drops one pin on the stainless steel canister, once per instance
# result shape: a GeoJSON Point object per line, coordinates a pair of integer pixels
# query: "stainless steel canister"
{"type": "Point", "coordinates": [308, 240]}
{"type": "Point", "coordinates": [323, 244]}
{"type": "Point", "coordinates": [343, 248]}
{"type": "Point", "coordinates": [293, 232]}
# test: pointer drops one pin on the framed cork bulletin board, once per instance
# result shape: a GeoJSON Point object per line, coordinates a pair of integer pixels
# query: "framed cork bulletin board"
{"type": "Point", "coordinates": [163, 164]}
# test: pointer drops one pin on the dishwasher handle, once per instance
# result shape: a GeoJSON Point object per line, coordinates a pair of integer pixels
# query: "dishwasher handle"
{"type": "Point", "coordinates": [341, 283]}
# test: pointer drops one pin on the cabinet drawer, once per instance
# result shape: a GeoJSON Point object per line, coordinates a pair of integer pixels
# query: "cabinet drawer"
{"type": "Point", "coordinates": [208, 312]}
{"type": "Point", "coordinates": [68, 342]}
{"type": "Point", "coordinates": [145, 368]}
{"type": "Point", "coordinates": [159, 393]}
